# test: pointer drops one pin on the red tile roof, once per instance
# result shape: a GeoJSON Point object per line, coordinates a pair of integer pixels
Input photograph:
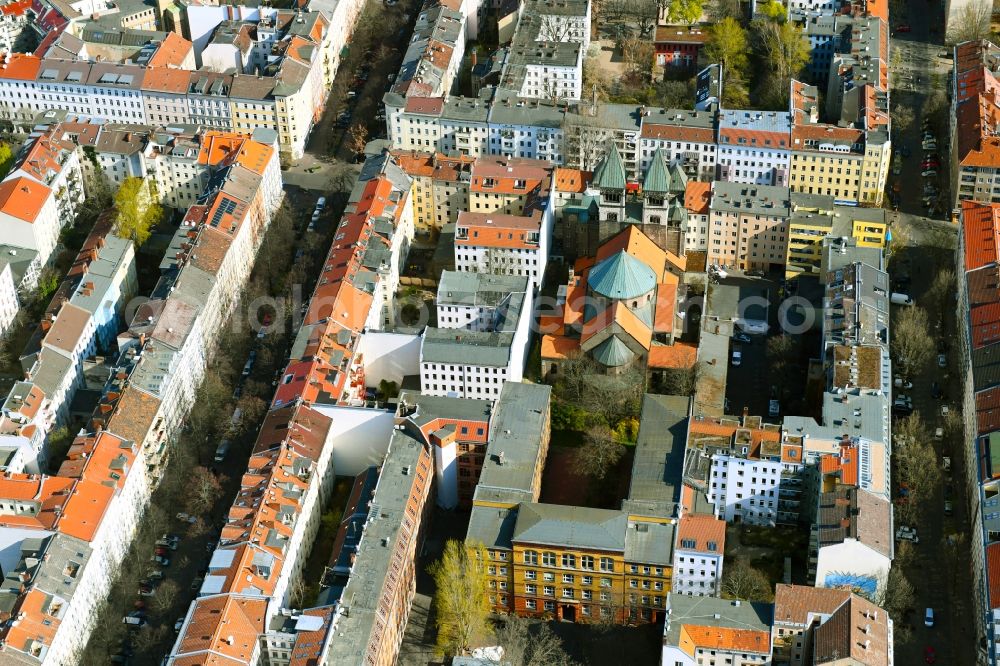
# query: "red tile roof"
{"type": "Point", "coordinates": [701, 530]}
{"type": "Point", "coordinates": [980, 233]}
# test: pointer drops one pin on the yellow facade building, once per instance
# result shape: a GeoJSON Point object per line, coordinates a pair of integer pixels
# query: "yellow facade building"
{"type": "Point", "coordinates": [814, 217]}
{"type": "Point", "coordinates": [847, 164]}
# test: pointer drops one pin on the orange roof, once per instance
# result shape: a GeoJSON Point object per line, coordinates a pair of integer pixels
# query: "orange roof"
{"type": "Point", "coordinates": [679, 355]}
{"type": "Point", "coordinates": [993, 573]}
{"type": "Point", "coordinates": [699, 530]}
{"type": "Point", "coordinates": [172, 51]}
{"type": "Point", "coordinates": [166, 79]}
{"type": "Point", "coordinates": [23, 198]}
{"type": "Point", "coordinates": [34, 623]}
{"type": "Point", "coordinates": [639, 245]}
{"type": "Point", "coordinates": [498, 229]}
{"type": "Point", "coordinates": [698, 197]}
{"type": "Point", "coordinates": [666, 132]}
{"type": "Point", "coordinates": [559, 347]}
{"type": "Point", "coordinates": [663, 319]}
{"type": "Point", "coordinates": [726, 638]}
{"type": "Point", "coordinates": [572, 180]}
{"type": "Point", "coordinates": [844, 463]}
{"type": "Point", "coordinates": [981, 233]}
{"type": "Point", "coordinates": [22, 67]}
{"type": "Point", "coordinates": [223, 627]}
{"type": "Point", "coordinates": [16, 7]}
{"type": "Point", "coordinates": [821, 133]}
{"type": "Point", "coordinates": [627, 320]}
{"type": "Point", "coordinates": [85, 509]}
{"type": "Point", "coordinates": [550, 323]}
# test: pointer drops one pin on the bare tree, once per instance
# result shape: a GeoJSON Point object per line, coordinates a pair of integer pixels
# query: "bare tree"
{"type": "Point", "coordinates": [972, 22]}
{"type": "Point", "coordinates": [942, 290]}
{"type": "Point", "coordinates": [744, 582]}
{"type": "Point", "coordinates": [600, 452]}
{"type": "Point", "coordinates": [203, 490]}
{"type": "Point", "coordinates": [911, 339]}
{"type": "Point", "coordinates": [166, 595]}
{"type": "Point", "coordinates": [895, 594]}
{"type": "Point", "coordinates": [530, 643]}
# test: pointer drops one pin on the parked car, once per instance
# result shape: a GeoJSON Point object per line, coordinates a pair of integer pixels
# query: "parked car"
{"type": "Point", "coordinates": [946, 463]}
{"type": "Point", "coordinates": [942, 361]}
{"type": "Point", "coordinates": [178, 624]}
{"type": "Point", "coordinates": [773, 408]}
{"type": "Point", "coordinates": [936, 391]}
{"type": "Point", "coordinates": [737, 356]}
{"type": "Point", "coordinates": [929, 617]}
{"type": "Point", "coordinates": [161, 560]}
{"type": "Point", "coordinates": [897, 298]}
{"type": "Point", "coordinates": [740, 336]}
{"type": "Point", "coordinates": [948, 509]}
{"type": "Point", "coordinates": [222, 450]}
{"type": "Point", "coordinates": [134, 619]}
{"type": "Point", "coordinates": [930, 656]}
{"type": "Point", "coordinates": [905, 533]}
{"type": "Point", "coordinates": [899, 382]}
{"type": "Point", "coordinates": [929, 173]}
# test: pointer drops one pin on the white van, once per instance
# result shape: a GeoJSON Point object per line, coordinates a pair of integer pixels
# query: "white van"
{"type": "Point", "coordinates": [900, 299]}
{"type": "Point", "coordinates": [737, 356]}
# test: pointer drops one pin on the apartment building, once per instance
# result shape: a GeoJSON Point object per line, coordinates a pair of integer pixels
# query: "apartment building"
{"type": "Point", "coordinates": [754, 147]}
{"type": "Point", "coordinates": [748, 226]}
{"type": "Point", "coordinates": [440, 187]}
{"type": "Point", "coordinates": [698, 555]}
{"type": "Point", "coordinates": [857, 90]}
{"type": "Point", "coordinates": [15, 25]}
{"type": "Point", "coordinates": [475, 363]}
{"type": "Point", "coordinates": [815, 625]}
{"type": "Point", "coordinates": [816, 217]}
{"type": "Point", "coordinates": [977, 295]}
{"type": "Point", "coordinates": [369, 622]}
{"type": "Point", "coordinates": [698, 203]}
{"type": "Point", "coordinates": [457, 432]}
{"type": "Point", "coordinates": [477, 301]}
{"type": "Point", "coordinates": [749, 469]}
{"type": "Point", "coordinates": [851, 542]}
{"type": "Point", "coordinates": [545, 56]}
{"type": "Point", "coordinates": [973, 121]}
{"type": "Point", "coordinates": [686, 137]}
{"type": "Point", "coordinates": [18, 272]}
{"type": "Point", "coordinates": [68, 534]}
{"type": "Point", "coordinates": [83, 319]}
{"type": "Point", "coordinates": [848, 164]}
{"type": "Point", "coordinates": [707, 631]}
{"type": "Point", "coordinates": [29, 217]}
{"type": "Point", "coordinates": [502, 244]}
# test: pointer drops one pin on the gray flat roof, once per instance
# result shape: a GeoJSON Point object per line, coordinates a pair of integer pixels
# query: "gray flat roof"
{"type": "Point", "coordinates": [571, 526]}
{"type": "Point", "coordinates": [770, 200]}
{"type": "Point", "coordinates": [659, 455]}
{"type": "Point", "coordinates": [455, 346]}
{"type": "Point", "coordinates": [649, 543]}
{"type": "Point", "coordinates": [363, 592]}
{"type": "Point", "coordinates": [519, 423]}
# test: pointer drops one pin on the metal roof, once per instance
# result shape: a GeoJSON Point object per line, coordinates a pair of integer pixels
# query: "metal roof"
{"type": "Point", "coordinates": [621, 276]}
{"type": "Point", "coordinates": [571, 527]}
{"type": "Point", "coordinates": [613, 353]}
{"type": "Point", "coordinates": [610, 173]}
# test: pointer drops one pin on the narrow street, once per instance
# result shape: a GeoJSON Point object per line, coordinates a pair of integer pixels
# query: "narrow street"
{"type": "Point", "coordinates": [941, 577]}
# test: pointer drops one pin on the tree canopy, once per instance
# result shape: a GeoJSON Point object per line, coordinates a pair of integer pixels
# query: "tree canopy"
{"type": "Point", "coordinates": [138, 210]}
{"type": "Point", "coordinates": [684, 11]}
{"type": "Point", "coordinates": [462, 597]}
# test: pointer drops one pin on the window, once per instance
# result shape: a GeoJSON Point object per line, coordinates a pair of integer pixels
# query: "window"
{"type": "Point", "coordinates": [531, 557]}
{"type": "Point", "coordinates": [549, 559]}
{"type": "Point", "coordinates": [568, 593]}
{"type": "Point", "coordinates": [567, 578]}
{"type": "Point", "coordinates": [529, 604]}
{"type": "Point", "coordinates": [607, 564]}
{"type": "Point", "coordinates": [587, 562]}
{"type": "Point", "coordinates": [569, 561]}
{"type": "Point", "coordinates": [549, 591]}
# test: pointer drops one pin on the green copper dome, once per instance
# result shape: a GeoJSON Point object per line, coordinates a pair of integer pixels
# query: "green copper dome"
{"type": "Point", "coordinates": [613, 353]}
{"type": "Point", "coordinates": [621, 276]}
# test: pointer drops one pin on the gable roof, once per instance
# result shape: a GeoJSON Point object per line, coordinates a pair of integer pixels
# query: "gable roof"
{"type": "Point", "coordinates": [571, 526]}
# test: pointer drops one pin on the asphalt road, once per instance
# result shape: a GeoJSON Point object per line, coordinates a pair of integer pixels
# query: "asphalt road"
{"type": "Point", "coordinates": [940, 581]}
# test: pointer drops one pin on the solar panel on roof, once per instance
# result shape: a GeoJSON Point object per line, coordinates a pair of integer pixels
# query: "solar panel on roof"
{"type": "Point", "coordinates": [225, 208]}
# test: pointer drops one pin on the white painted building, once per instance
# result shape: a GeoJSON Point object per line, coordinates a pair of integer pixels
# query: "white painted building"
{"type": "Point", "coordinates": [754, 147]}
{"type": "Point", "coordinates": [475, 363]}
{"type": "Point", "coordinates": [9, 302]}
{"type": "Point", "coordinates": [504, 244]}
{"type": "Point", "coordinates": [744, 490]}
{"type": "Point", "coordinates": [698, 555]}
{"type": "Point", "coordinates": [29, 217]}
